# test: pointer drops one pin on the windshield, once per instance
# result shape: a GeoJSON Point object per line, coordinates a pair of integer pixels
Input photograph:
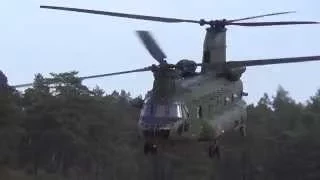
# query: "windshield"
{"type": "Point", "coordinates": [164, 110]}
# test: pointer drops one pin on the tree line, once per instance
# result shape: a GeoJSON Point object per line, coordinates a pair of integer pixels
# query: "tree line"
{"type": "Point", "coordinates": [66, 130]}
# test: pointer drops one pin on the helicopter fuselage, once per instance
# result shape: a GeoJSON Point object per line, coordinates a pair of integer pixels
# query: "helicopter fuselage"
{"type": "Point", "coordinates": [215, 104]}
{"type": "Point", "coordinates": [203, 108]}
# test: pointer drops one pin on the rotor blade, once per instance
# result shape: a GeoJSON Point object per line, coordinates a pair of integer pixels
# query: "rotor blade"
{"type": "Point", "coordinates": [124, 15]}
{"type": "Point", "coordinates": [272, 61]}
{"type": "Point", "coordinates": [22, 85]}
{"type": "Point", "coordinates": [117, 73]}
{"type": "Point", "coordinates": [95, 76]}
{"type": "Point", "coordinates": [259, 16]}
{"type": "Point", "coordinates": [272, 23]}
{"type": "Point", "coordinates": [151, 45]}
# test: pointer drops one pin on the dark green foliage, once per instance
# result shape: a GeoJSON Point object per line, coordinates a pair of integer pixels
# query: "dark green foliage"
{"type": "Point", "coordinates": [10, 117]}
{"type": "Point", "coordinates": [71, 131]}
{"type": "Point", "coordinates": [3, 79]}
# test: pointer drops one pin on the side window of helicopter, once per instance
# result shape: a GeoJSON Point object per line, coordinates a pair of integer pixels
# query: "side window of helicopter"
{"type": "Point", "coordinates": [179, 111]}
{"type": "Point", "coordinates": [199, 112]}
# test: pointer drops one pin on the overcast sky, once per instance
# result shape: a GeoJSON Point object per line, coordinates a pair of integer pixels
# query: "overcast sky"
{"type": "Point", "coordinates": [34, 40]}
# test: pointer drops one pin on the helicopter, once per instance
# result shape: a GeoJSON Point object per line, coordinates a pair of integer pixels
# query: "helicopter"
{"type": "Point", "coordinates": [184, 103]}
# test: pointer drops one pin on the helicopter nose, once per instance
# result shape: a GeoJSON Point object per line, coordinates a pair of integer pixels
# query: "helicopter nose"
{"type": "Point", "coordinates": [155, 127]}
{"type": "Point", "coordinates": [163, 133]}
{"type": "Point", "coordinates": [157, 123]}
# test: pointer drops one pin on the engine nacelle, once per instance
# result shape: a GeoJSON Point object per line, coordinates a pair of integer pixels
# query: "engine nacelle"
{"type": "Point", "coordinates": [234, 74]}
{"type": "Point", "coordinates": [186, 67]}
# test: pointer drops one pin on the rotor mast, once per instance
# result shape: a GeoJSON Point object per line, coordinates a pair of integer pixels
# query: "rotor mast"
{"type": "Point", "coordinates": [164, 73]}
{"type": "Point", "coordinates": [164, 85]}
{"type": "Point", "coordinates": [214, 47]}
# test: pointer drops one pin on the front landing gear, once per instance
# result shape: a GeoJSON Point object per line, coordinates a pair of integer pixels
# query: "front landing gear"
{"type": "Point", "coordinates": [150, 148]}
{"type": "Point", "coordinates": [214, 150]}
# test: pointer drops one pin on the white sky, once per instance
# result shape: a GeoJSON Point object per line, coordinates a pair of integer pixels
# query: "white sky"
{"type": "Point", "coordinates": [34, 40]}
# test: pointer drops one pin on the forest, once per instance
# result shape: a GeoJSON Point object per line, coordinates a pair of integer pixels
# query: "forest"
{"type": "Point", "coordinates": [67, 131]}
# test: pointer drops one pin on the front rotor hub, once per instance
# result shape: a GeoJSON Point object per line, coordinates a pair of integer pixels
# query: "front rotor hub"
{"type": "Point", "coordinates": [203, 22]}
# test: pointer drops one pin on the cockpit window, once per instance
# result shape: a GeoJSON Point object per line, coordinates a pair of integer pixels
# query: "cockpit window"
{"type": "Point", "coordinates": [164, 110]}
{"type": "Point", "coordinates": [176, 110]}
{"type": "Point", "coordinates": [160, 111]}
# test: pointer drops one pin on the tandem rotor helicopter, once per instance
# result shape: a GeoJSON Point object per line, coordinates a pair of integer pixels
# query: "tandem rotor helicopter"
{"type": "Point", "coordinates": [194, 105]}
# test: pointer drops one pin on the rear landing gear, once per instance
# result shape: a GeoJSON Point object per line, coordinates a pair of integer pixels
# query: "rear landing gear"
{"type": "Point", "coordinates": [214, 150]}
{"type": "Point", "coordinates": [150, 148]}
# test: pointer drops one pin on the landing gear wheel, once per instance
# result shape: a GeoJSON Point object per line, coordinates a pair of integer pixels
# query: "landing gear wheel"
{"type": "Point", "coordinates": [154, 149]}
{"type": "Point", "coordinates": [214, 150]}
{"type": "Point", "coordinates": [166, 134]}
{"type": "Point", "coordinates": [150, 147]}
